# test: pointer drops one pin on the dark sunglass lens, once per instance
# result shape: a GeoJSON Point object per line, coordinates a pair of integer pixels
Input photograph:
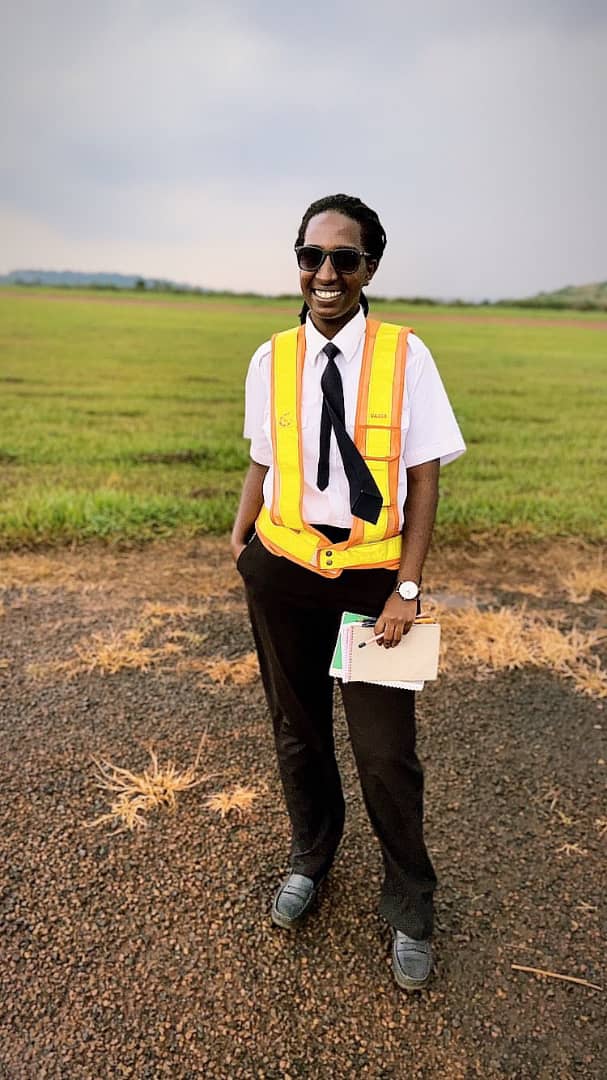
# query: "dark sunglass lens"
{"type": "Point", "coordinates": [346, 260]}
{"type": "Point", "coordinates": [309, 258]}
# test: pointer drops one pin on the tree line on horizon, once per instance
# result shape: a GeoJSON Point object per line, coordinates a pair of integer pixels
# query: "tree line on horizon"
{"type": "Point", "coordinates": [590, 297]}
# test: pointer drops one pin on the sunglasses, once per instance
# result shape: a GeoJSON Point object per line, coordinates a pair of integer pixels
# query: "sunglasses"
{"type": "Point", "coordinates": [345, 260]}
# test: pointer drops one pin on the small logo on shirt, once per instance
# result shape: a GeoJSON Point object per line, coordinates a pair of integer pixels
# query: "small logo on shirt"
{"type": "Point", "coordinates": [285, 419]}
{"type": "Point", "coordinates": [379, 416]}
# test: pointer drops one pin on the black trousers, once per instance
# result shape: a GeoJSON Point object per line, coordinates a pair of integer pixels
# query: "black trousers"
{"type": "Point", "coordinates": [295, 616]}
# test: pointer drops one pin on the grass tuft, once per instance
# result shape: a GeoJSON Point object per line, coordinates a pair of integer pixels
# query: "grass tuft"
{"type": "Point", "coordinates": [136, 794]}
{"type": "Point", "coordinates": [571, 849]}
{"type": "Point", "coordinates": [125, 649]}
{"type": "Point", "coordinates": [510, 638]}
{"type": "Point", "coordinates": [583, 579]}
{"type": "Point", "coordinates": [601, 824]}
{"type": "Point", "coordinates": [238, 672]}
{"type": "Point", "coordinates": [129, 648]}
{"type": "Point", "coordinates": [590, 678]}
{"type": "Point", "coordinates": [156, 612]}
{"type": "Point", "coordinates": [238, 799]}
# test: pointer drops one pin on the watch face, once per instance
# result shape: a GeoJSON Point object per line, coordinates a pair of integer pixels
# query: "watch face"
{"type": "Point", "coordinates": [408, 590]}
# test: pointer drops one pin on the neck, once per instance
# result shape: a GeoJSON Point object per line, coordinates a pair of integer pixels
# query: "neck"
{"type": "Point", "coordinates": [330, 327]}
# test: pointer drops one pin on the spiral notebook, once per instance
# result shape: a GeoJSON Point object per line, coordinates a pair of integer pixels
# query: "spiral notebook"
{"type": "Point", "coordinates": [357, 658]}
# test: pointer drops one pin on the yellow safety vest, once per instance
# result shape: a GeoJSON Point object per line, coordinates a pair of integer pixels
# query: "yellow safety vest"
{"type": "Point", "coordinates": [377, 435]}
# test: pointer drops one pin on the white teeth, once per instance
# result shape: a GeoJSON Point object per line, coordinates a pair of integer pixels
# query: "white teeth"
{"type": "Point", "coordinates": [326, 294]}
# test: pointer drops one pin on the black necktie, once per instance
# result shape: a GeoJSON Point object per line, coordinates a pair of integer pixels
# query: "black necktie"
{"type": "Point", "coordinates": [365, 496]}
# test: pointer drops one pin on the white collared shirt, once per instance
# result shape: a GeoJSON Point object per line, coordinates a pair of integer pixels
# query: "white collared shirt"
{"type": "Point", "coordinates": [429, 428]}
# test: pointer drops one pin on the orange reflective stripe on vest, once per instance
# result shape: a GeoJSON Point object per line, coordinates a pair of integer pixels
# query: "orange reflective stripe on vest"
{"type": "Point", "coordinates": [377, 434]}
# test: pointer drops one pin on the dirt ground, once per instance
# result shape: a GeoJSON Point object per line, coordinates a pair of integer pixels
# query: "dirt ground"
{"type": "Point", "coordinates": [151, 953]}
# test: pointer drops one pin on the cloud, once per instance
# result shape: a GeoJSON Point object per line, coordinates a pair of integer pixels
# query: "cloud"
{"type": "Point", "coordinates": [194, 137]}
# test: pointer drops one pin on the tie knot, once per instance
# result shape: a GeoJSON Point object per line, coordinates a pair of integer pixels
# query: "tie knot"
{"type": "Point", "coordinates": [331, 350]}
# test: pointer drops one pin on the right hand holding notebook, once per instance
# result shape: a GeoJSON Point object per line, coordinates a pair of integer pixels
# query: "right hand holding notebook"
{"type": "Point", "coordinates": [396, 620]}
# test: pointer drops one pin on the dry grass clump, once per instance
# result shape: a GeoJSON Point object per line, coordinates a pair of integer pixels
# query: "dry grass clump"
{"type": "Point", "coordinates": [157, 612]}
{"type": "Point", "coordinates": [590, 678]}
{"type": "Point", "coordinates": [535, 569]}
{"type": "Point", "coordinates": [583, 579]}
{"type": "Point", "coordinates": [129, 648]}
{"type": "Point", "coordinates": [165, 568]}
{"type": "Point", "coordinates": [115, 651]}
{"type": "Point", "coordinates": [510, 638]}
{"type": "Point", "coordinates": [238, 799]}
{"type": "Point", "coordinates": [136, 794]}
{"type": "Point", "coordinates": [124, 649]}
{"type": "Point", "coordinates": [565, 819]}
{"type": "Point", "coordinates": [238, 672]}
{"type": "Point", "coordinates": [563, 650]}
{"type": "Point", "coordinates": [571, 849]}
{"type": "Point", "coordinates": [36, 569]}
{"type": "Point", "coordinates": [49, 668]}
{"type": "Point", "coordinates": [488, 639]}
{"type": "Point", "coordinates": [191, 637]}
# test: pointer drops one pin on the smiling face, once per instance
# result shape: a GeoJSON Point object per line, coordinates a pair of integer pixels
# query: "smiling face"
{"type": "Point", "coordinates": [332, 297]}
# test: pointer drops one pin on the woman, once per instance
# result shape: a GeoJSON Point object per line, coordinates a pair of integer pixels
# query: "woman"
{"type": "Point", "coordinates": [348, 422]}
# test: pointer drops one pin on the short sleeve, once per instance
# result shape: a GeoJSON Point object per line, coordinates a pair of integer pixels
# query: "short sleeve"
{"type": "Point", "coordinates": [433, 431]}
{"type": "Point", "coordinates": [257, 405]}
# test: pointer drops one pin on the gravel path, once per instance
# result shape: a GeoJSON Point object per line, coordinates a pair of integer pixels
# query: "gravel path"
{"type": "Point", "coordinates": [152, 954]}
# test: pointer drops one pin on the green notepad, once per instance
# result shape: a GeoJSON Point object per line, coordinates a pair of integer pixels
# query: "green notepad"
{"type": "Point", "coordinates": [337, 661]}
{"type": "Point", "coordinates": [337, 665]}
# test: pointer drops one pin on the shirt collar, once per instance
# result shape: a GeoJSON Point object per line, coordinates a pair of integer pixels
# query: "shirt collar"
{"type": "Point", "coordinates": [347, 340]}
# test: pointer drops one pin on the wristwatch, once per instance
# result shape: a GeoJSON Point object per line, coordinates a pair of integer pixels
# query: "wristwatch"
{"type": "Point", "coordinates": [407, 590]}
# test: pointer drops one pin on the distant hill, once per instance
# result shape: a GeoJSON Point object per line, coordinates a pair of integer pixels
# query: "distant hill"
{"type": "Point", "coordinates": [581, 297]}
{"type": "Point", "coordinates": [78, 279]}
{"type": "Point", "coordinates": [577, 297]}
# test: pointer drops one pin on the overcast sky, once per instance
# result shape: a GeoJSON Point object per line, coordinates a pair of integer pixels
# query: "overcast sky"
{"type": "Point", "coordinates": [185, 140]}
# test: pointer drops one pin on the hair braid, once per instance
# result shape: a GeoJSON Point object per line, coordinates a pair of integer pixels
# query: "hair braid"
{"type": "Point", "coordinates": [372, 232]}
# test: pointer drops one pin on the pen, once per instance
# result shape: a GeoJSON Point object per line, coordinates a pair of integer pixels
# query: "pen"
{"type": "Point", "coordinates": [377, 637]}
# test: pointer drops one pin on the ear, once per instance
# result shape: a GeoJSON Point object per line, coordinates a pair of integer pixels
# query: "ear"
{"type": "Point", "coordinates": [372, 265]}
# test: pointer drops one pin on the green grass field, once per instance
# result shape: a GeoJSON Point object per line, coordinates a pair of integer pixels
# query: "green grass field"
{"type": "Point", "coordinates": [121, 416]}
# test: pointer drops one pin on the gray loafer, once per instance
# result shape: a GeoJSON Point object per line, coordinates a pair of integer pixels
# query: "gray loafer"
{"type": "Point", "coordinates": [293, 899]}
{"type": "Point", "coordinates": [411, 961]}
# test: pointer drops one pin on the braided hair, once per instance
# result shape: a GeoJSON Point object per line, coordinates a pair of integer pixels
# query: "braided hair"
{"type": "Point", "coordinates": [372, 232]}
